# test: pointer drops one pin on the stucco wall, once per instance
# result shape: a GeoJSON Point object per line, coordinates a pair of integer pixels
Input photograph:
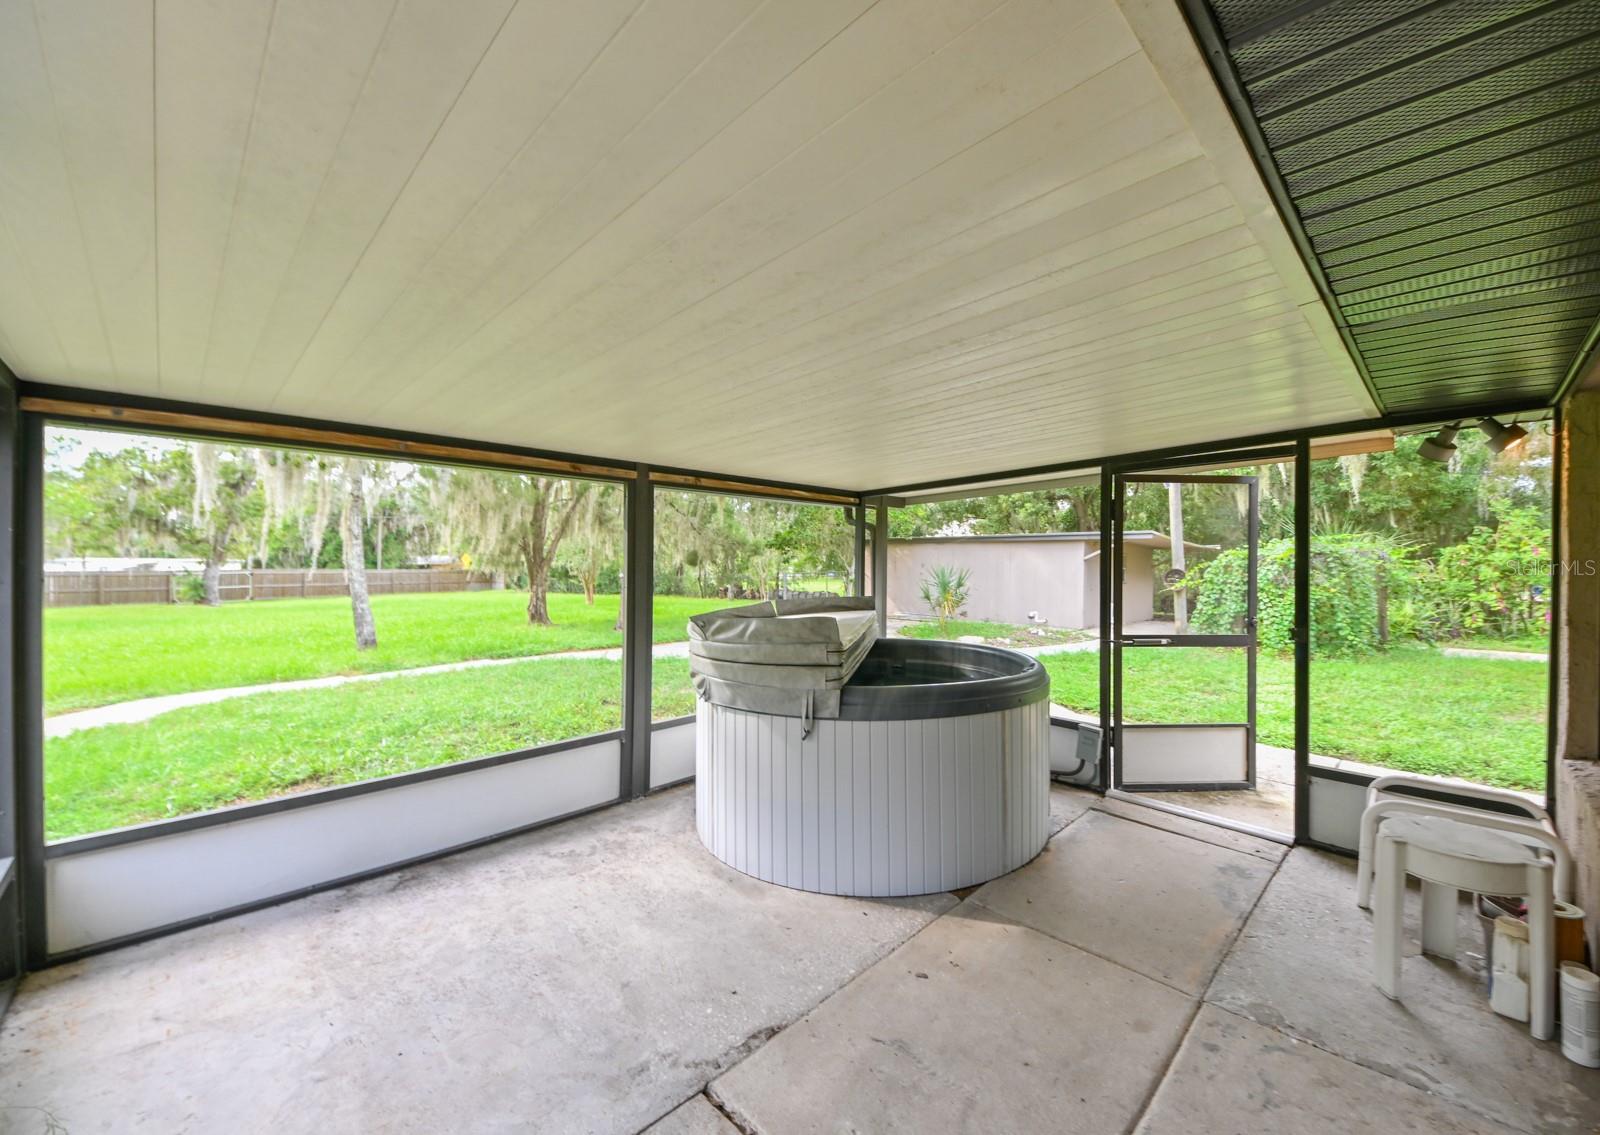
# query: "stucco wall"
{"type": "Point", "coordinates": [1138, 585]}
{"type": "Point", "coordinates": [1057, 578]}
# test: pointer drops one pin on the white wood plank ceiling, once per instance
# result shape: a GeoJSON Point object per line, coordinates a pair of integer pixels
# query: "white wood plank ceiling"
{"type": "Point", "coordinates": [830, 241]}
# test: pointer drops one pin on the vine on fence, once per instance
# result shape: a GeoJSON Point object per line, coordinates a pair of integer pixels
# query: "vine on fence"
{"type": "Point", "coordinates": [1368, 590]}
{"type": "Point", "coordinates": [1352, 578]}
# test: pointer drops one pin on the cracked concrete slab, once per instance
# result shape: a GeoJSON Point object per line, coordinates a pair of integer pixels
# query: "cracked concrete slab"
{"type": "Point", "coordinates": [1067, 804]}
{"type": "Point", "coordinates": [600, 970]}
{"type": "Point", "coordinates": [694, 1117]}
{"type": "Point", "coordinates": [1234, 1075]}
{"type": "Point", "coordinates": [1304, 967]}
{"type": "Point", "coordinates": [1266, 849]}
{"type": "Point", "coordinates": [594, 976]}
{"type": "Point", "coordinates": [1162, 904]}
{"type": "Point", "coordinates": [975, 1025]}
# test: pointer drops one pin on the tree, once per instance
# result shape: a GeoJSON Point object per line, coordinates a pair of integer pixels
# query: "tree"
{"type": "Point", "coordinates": [321, 511]}
{"type": "Point", "coordinates": [595, 537]}
{"type": "Point", "coordinates": [130, 502]}
{"type": "Point", "coordinates": [224, 491]}
{"type": "Point", "coordinates": [513, 523]}
{"type": "Point", "coordinates": [1068, 508]}
{"type": "Point", "coordinates": [355, 553]}
{"type": "Point", "coordinates": [1180, 599]}
{"type": "Point", "coordinates": [711, 544]}
{"type": "Point", "coordinates": [282, 475]}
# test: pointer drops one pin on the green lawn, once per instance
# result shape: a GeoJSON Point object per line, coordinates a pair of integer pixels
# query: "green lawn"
{"type": "Point", "coordinates": [834, 585]}
{"type": "Point", "coordinates": [268, 745]}
{"type": "Point", "coordinates": [100, 655]}
{"type": "Point", "coordinates": [1412, 709]}
{"type": "Point", "coordinates": [997, 634]}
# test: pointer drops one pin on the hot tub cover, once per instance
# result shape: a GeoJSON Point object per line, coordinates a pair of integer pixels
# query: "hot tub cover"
{"type": "Point", "coordinates": [781, 656]}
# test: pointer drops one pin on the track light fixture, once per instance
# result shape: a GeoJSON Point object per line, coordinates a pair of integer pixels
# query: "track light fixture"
{"type": "Point", "coordinates": [1441, 447]}
{"type": "Point", "coordinates": [1501, 437]}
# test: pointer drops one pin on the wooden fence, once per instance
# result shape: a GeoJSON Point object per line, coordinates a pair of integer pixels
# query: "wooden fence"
{"type": "Point", "coordinates": [100, 588]}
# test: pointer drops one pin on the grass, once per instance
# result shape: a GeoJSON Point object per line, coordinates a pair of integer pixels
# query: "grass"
{"type": "Point", "coordinates": [269, 745]}
{"type": "Point", "coordinates": [1536, 642]}
{"type": "Point", "coordinates": [997, 634]}
{"type": "Point", "coordinates": [834, 585]}
{"type": "Point", "coordinates": [1412, 709]}
{"type": "Point", "coordinates": [100, 655]}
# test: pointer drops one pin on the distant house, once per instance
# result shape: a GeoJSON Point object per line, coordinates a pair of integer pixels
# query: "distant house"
{"type": "Point", "coordinates": [1056, 574]}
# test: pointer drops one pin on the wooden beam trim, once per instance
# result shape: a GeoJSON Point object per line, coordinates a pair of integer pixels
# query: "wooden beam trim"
{"type": "Point", "coordinates": [747, 488]}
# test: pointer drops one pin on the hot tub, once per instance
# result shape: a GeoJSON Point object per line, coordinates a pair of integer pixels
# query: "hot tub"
{"type": "Point", "coordinates": [923, 768]}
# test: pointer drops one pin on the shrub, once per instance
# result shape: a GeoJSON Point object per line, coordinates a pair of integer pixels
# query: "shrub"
{"type": "Point", "coordinates": [944, 590]}
{"type": "Point", "coordinates": [191, 588]}
{"type": "Point", "coordinates": [1348, 575]}
{"type": "Point", "coordinates": [1496, 582]}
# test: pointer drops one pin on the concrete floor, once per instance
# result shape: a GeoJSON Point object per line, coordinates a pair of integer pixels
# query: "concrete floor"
{"type": "Point", "coordinates": [1269, 805]}
{"type": "Point", "coordinates": [1146, 972]}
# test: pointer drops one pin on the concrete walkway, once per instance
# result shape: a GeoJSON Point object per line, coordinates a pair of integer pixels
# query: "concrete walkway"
{"type": "Point", "coordinates": [1502, 655]}
{"type": "Point", "coordinates": [1145, 973]}
{"type": "Point", "coordinates": [1085, 646]}
{"type": "Point", "coordinates": [143, 709]}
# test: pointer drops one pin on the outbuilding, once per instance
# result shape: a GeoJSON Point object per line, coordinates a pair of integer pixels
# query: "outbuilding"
{"type": "Point", "coordinates": [1021, 579]}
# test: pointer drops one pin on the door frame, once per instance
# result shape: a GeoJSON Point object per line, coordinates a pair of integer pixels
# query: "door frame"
{"type": "Point", "coordinates": [1120, 641]}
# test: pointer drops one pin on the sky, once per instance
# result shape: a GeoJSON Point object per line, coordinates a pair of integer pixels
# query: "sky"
{"type": "Point", "coordinates": [67, 449]}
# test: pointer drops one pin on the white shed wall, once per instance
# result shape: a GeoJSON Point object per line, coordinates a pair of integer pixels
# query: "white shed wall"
{"type": "Point", "coordinates": [1057, 578]}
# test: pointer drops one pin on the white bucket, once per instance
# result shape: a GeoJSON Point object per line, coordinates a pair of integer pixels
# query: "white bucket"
{"type": "Point", "coordinates": [1580, 1015]}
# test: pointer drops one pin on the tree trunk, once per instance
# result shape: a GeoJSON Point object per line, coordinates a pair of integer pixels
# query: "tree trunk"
{"type": "Point", "coordinates": [319, 521]}
{"type": "Point", "coordinates": [539, 543]}
{"type": "Point", "coordinates": [1180, 597]}
{"type": "Point", "coordinates": [211, 579]}
{"type": "Point", "coordinates": [622, 596]}
{"type": "Point", "coordinates": [355, 560]}
{"type": "Point", "coordinates": [538, 590]}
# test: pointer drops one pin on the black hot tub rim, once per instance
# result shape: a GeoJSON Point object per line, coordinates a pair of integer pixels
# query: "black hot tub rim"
{"type": "Point", "coordinates": [905, 678]}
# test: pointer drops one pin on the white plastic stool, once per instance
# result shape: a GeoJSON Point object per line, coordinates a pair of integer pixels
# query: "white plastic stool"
{"type": "Point", "coordinates": [1448, 857]}
{"type": "Point", "coordinates": [1533, 827]}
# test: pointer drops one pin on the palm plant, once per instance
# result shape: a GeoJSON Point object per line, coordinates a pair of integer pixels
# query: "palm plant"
{"type": "Point", "coordinates": [944, 590]}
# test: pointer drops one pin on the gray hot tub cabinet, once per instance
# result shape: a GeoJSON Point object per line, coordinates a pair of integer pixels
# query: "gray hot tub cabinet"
{"type": "Point", "coordinates": [901, 767]}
